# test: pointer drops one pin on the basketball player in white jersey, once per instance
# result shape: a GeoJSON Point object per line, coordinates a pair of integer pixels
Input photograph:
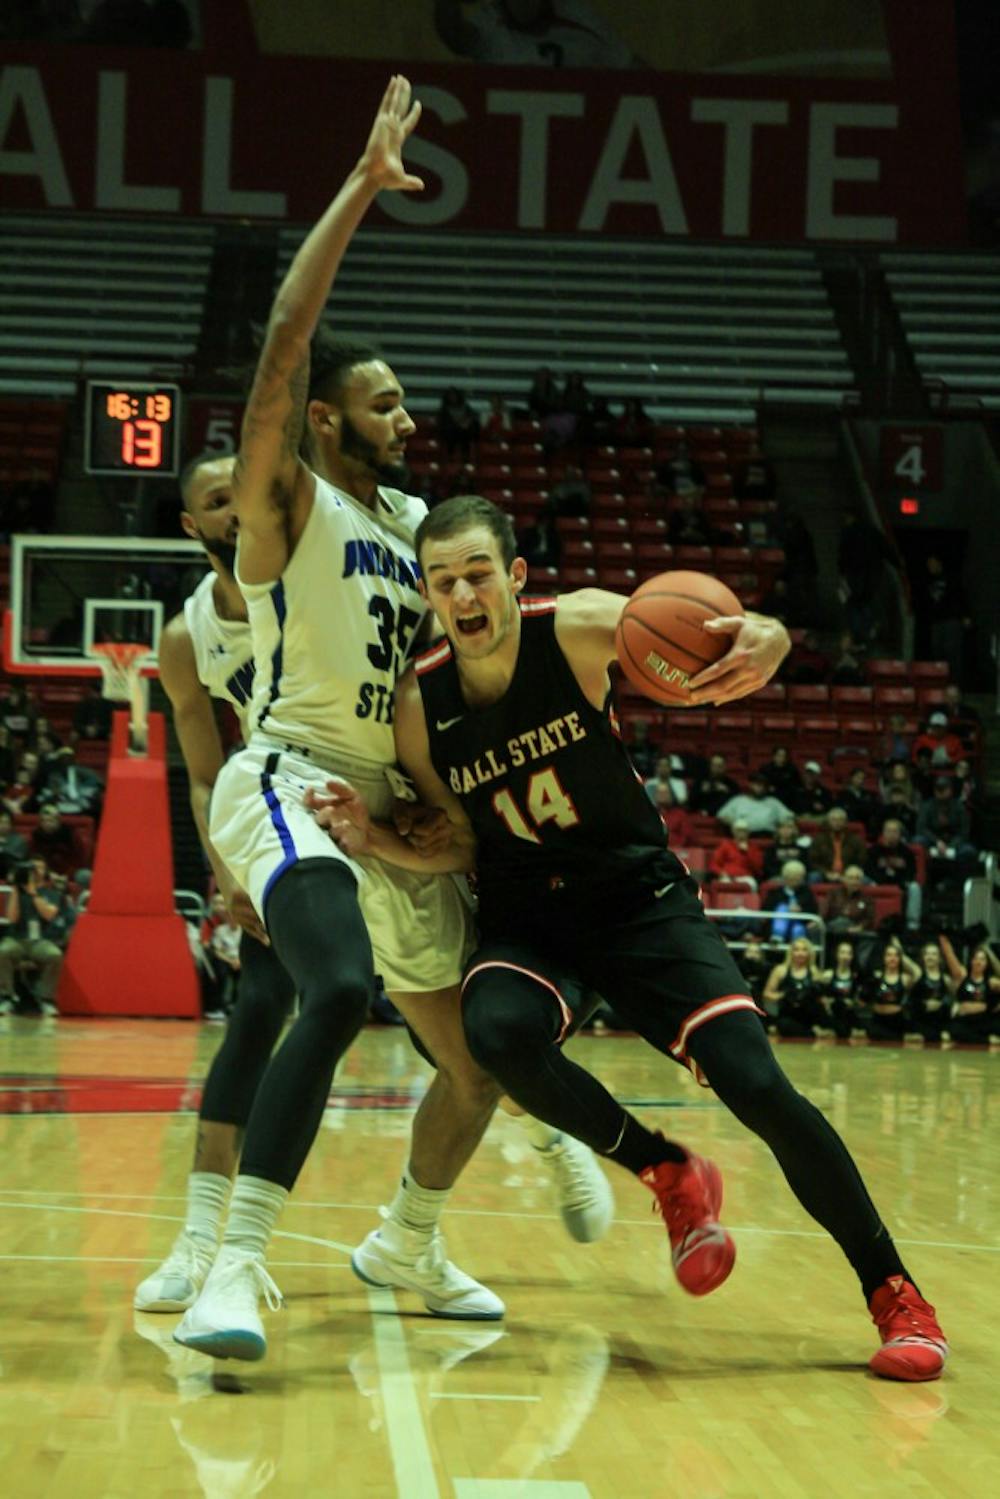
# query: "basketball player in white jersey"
{"type": "Point", "coordinates": [206, 652]}
{"type": "Point", "coordinates": [327, 569]}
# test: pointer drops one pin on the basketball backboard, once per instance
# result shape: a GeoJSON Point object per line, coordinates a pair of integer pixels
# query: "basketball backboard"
{"type": "Point", "coordinates": [69, 591]}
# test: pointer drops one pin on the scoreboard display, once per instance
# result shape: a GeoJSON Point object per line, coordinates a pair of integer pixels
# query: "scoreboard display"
{"type": "Point", "coordinates": [132, 429]}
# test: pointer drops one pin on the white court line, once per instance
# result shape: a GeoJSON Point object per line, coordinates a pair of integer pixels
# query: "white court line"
{"type": "Point", "coordinates": [147, 1259]}
{"type": "Point", "coordinates": [735, 1228]}
{"type": "Point", "coordinates": [408, 1444]}
{"type": "Point", "coordinates": [446, 1395]}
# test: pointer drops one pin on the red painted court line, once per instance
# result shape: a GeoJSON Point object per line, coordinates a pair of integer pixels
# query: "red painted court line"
{"type": "Point", "coordinates": [96, 1095]}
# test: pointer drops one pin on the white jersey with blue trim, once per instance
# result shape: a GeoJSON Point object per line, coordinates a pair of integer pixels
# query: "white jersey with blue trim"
{"type": "Point", "coordinates": [223, 650]}
{"type": "Point", "coordinates": [334, 632]}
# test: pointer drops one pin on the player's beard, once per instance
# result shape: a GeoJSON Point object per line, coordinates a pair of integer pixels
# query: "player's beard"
{"type": "Point", "coordinates": [223, 551]}
{"type": "Point", "coordinates": [353, 444]}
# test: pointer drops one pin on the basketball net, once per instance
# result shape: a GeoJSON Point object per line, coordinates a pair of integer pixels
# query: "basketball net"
{"type": "Point", "coordinates": [119, 661]}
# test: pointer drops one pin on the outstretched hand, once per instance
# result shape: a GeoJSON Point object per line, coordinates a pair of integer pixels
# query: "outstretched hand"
{"type": "Point", "coordinates": [395, 122]}
{"type": "Point", "coordinates": [759, 646]}
{"type": "Point", "coordinates": [343, 813]}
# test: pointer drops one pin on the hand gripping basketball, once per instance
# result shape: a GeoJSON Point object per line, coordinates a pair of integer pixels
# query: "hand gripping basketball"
{"type": "Point", "coordinates": [661, 640]}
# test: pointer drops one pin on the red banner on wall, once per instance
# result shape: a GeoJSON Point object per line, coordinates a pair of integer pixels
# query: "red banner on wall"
{"type": "Point", "coordinates": [709, 156]}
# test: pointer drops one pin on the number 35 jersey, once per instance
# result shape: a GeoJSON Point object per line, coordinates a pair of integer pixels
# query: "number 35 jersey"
{"type": "Point", "coordinates": [331, 636]}
{"type": "Point", "coordinates": [560, 816]}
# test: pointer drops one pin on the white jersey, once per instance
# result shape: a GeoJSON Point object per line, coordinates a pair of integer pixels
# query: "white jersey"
{"type": "Point", "coordinates": [223, 650]}
{"type": "Point", "coordinates": [331, 636]}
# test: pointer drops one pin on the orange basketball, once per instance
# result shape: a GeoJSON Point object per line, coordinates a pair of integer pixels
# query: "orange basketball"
{"type": "Point", "coordinates": [660, 640]}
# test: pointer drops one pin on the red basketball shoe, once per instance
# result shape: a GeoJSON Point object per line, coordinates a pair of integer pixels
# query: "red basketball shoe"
{"type": "Point", "coordinates": [689, 1195]}
{"type": "Point", "coordinates": [913, 1345]}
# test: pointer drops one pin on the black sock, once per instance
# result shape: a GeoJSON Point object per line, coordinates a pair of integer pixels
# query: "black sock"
{"type": "Point", "coordinates": [639, 1147]}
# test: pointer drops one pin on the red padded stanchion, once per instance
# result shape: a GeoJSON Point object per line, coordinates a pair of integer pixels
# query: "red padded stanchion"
{"type": "Point", "coordinates": [129, 951]}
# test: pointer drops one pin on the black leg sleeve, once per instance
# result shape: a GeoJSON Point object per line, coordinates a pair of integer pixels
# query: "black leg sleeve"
{"type": "Point", "coordinates": [320, 938]}
{"type": "Point", "coordinates": [737, 1059]}
{"type": "Point", "coordinates": [263, 999]}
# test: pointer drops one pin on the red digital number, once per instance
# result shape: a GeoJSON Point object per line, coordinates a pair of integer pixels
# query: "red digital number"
{"type": "Point", "coordinates": [142, 444]}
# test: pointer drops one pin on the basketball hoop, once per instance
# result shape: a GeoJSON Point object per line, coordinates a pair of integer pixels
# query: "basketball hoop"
{"type": "Point", "coordinates": [120, 661]}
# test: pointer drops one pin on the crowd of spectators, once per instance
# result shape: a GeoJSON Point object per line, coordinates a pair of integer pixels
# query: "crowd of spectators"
{"type": "Point", "coordinates": [49, 805]}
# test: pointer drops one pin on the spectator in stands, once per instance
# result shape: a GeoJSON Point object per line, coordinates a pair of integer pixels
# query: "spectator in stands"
{"type": "Point", "coordinates": [776, 601]}
{"type": "Point", "coordinates": [458, 424]}
{"type": "Point", "coordinates": [568, 413]}
{"type": "Point", "coordinates": [890, 862]}
{"type": "Point", "coordinates": [54, 841]}
{"type": "Point", "coordinates": [754, 963]}
{"type": "Point", "coordinates": [898, 805]}
{"type": "Point", "coordinates": [943, 829]}
{"type": "Point", "coordinates": [834, 848]}
{"type": "Point", "coordinates": [674, 817]}
{"type": "Point", "coordinates": [845, 668]}
{"type": "Point", "coordinates": [688, 525]}
{"type": "Point", "coordinates": [842, 989]}
{"type": "Point", "coordinates": [781, 775]}
{"type": "Point", "coordinates": [963, 718]}
{"type": "Point", "coordinates": [848, 908]}
{"type": "Point", "coordinates": [539, 543]}
{"type": "Point", "coordinates": [793, 993]}
{"type": "Point", "coordinates": [92, 718]}
{"type": "Point", "coordinates": [923, 775]}
{"type": "Point", "coordinates": [35, 933]}
{"type": "Point", "coordinates": [737, 858]}
{"type": "Point", "coordinates": [572, 493]}
{"type": "Point", "coordinates": [22, 794]}
{"type": "Point", "coordinates": [887, 991]}
{"type": "Point", "coordinates": [941, 612]}
{"type": "Point", "coordinates": [498, 421]}
{"type": "Point", "coordinates": [974, 1011]}
{"type": "Point", "coordinates": [642, 752]}
{"type": "Point", "coordinates": [856, 799]}
{"type": "Point", "coordinates": [754, 479]}
{"type": "Point", "coordinates": [75, 789]}
{"type": "Point", "coordinates": [13, 846]}
{"type": "Point", "coordinates": [806, 663]}
{"type": "Point", "coordinates": [791, 897]}
{"type": "Point", "coordinates": [946, 748]}
{"type": "Point", "coordinates": [812, 799]}
{"type": "Point", "coordinates": [966, 787]}
{"type": "Point", "coordinates": [543, 397]}
{"type": "Point", "coordinates": [668, 771]}
{"type": "Point", "coordinates": [788, 843]}
{"type": "Point", "coordinates": [930, 998]}
{"type": "Point", "coordinates": [596, 428]}
{"type": "Point", "coordinates": [681, 473]}
{"type": "Point", "coordinates": [713, 788]}
{"type": "Point", "coordinates": [862, 556]}
{"type": "Point", "coordinates": [18, 713]}
{"type": "Point", "coordinates": [896, 742]}
{"type": "Point", "coordinates": [897, 773]}
{"type": "Point", "coordinates": [634, 428]}
{"type": "Point", "coordinates": [756, 807]}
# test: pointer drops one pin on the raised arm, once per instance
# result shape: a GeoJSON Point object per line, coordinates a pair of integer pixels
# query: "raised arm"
{"type": "Point", "coordinates": [958, 970]}
{"type": "Point", "coordinates": [272, 486]}
{"type": "Point", "coordinates": [201, 746]}
{"type": "Point", "coordinates": [775, 979]}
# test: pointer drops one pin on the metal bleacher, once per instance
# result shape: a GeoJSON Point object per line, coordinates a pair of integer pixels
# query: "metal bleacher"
{"type": "Point", "coordinates": [950, 310]}
{"type": "Point", "coordinates": [86, 297]}
{"type": "Point", "coordinates": [698, 332]}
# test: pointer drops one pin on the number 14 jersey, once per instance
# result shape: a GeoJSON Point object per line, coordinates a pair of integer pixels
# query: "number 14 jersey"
{"type": "Point", "coordinates": [332, 634]}
{"type": "Point", "coordinates": [545, 779]}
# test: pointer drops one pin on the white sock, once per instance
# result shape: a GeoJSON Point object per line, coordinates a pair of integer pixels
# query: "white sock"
{"type": "Point", "coordinates": [417, 1207]}
{"type": "Point", "coordinates": [542, 1136]}
{"type": "Point", "coordinates": [207, 1195]}
{"type": "Point", "coordinates": [253, 1213]}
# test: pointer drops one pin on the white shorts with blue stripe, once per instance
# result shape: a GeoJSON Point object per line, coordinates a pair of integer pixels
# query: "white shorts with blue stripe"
{"type": "Point", "coordinates": [420, 925]}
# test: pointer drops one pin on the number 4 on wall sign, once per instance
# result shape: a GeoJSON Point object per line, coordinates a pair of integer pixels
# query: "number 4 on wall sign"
{"type": "Point", "coordinates": [912, 458]}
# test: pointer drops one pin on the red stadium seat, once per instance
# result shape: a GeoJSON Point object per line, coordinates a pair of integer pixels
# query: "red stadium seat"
{"type": "Point", "coordinates": [611, 528]}
{"type": "Point", "coordinates": [853, 698]}
{"type": "Point", "coordinates": [924, 673]}
{"type": "Point", "coordinates": [578, 550]}
{"type": "Point", "coordinates": [726, 726]}
{"type": "Point", "coordinates": [718, 484]}
{"type": "Point", "coordinates": [696, 557]}
{"type": "Point", "coordinates": [773, 692]}
{"type": "Point", "coordinates": [783, 726]}
{"type": "Point", "coordinates": [649, 528]}
{"type": "Point", "coordinates": [619, 579]}
{"type": "Point", "coordinates": [578, 577]}
{"type": "Point", "coordinates": [884, 671]}
{"type": "Point", "coordinates": [808, 696]}
{"type": "Point", "coordinates": [572, 525]}
{"type": "Point", "coordinates": [733, 558]}
{"type": "Point", "coordinates": [611, 503]}
{"type": "Point", "coordinates": [543, 579]}
{"type": "Point", "coordinates": [731, 898]}
{"type": "Point", "coordinates": [617, 551]}
{"type": "Point", "coordinates": [656, 554]}
{"type": "Point", "coordinates": [895, 698]}
{"type": "Point", "coordinates": [930, 697]}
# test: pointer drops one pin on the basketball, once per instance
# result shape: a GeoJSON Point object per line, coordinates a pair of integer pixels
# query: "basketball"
{"type": "Point", "coordinates": [660, 638]}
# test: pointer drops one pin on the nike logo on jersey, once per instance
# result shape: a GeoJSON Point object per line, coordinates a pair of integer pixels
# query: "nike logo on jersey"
{"type": "Point", "coordinates": [448, 723]}
{"type": "Point", "coordinates": [662, 891]}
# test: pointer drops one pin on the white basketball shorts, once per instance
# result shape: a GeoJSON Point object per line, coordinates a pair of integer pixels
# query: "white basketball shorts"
{"type": "Point", "coordinates": [420, 925]}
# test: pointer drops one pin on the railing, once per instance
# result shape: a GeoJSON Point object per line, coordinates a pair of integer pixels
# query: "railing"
{"type": "Point", "coordinates": [979, 898]}
{"type": "Point", "coordinates": [811, 920]}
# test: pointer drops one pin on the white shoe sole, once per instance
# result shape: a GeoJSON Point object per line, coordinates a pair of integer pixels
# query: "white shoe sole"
{"type": "Point", "coordinates": [236, 1342]}
{"type": "Point", "coordinates": [372, 1267]}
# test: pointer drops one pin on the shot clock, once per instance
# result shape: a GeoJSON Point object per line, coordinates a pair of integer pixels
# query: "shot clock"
{"type": "Point", "coordinates": [132, 429]}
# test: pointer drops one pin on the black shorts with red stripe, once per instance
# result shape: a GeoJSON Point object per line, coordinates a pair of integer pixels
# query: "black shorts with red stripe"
{"type": "Point", "coordinates": [660, 964]}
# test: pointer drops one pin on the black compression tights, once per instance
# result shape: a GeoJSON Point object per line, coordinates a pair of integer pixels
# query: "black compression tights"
{"type": "Point", "coordinates": [510, 1033]}
{"type": "Point", "coordinates": [263, 1000]}
{"type": "Point", "coordinates": [315, 925]}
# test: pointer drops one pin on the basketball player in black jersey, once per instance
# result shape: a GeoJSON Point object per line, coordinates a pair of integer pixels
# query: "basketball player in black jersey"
{"type": "Point", "coordinates": [507, 726]}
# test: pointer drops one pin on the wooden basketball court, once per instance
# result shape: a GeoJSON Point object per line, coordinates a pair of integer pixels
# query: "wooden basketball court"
{"type": "Point", "coordinates": [604, 1381]}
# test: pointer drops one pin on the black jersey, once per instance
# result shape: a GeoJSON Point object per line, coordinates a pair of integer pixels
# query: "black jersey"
{"type": "Point", "coordinates": [843, 986]}
{"type": "Point", "coordinates": [886, 991]}
{"type": "Point", "coordinates": [975, 991]}
{"type": "Point", "coordinates": [546, 782]}
{"type": "Point", "coordinates": [928, 995]}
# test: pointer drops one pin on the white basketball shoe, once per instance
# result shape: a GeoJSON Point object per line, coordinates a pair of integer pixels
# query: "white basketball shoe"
{"type": "Point", "coordinates": [586, 1201]}
{"type": "Point", "coordinates": [416, 1261]}
{"type": "Point", "coordinates": [225, 1322]}
{"type": "Point", "coordinates": [175, 1285]}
